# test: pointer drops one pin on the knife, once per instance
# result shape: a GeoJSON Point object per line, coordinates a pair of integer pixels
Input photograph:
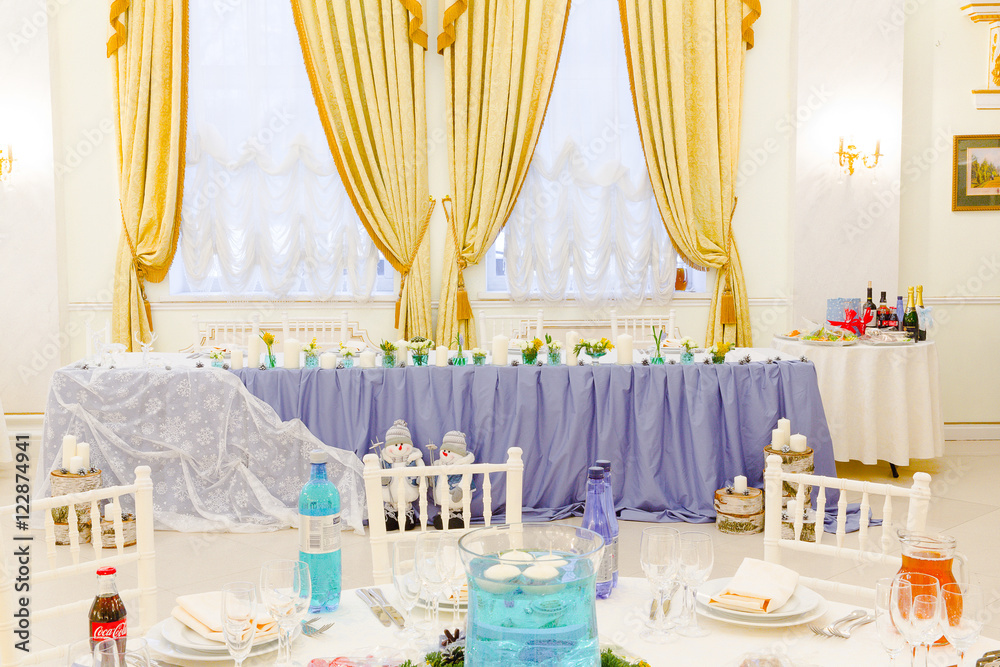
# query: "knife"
{"type": "Point", "coordinates": [396, 617]}
{"type": "Point", "coordinates": [380, 613]}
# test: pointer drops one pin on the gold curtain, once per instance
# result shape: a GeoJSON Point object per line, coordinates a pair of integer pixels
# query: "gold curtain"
{"type": "Point", "coordinates": [149, 53]}
{"type": "Point", "coordinates": [500, 63]}
{"type": "Point", "coordinates": [685, 62]}
{"type": "Point", "coordinates": [367, 76]}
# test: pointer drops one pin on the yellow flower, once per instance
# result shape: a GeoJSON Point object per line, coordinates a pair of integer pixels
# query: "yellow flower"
{"type": "Point", "coordinates": [537, 343]}
{"type": "Point", "coordinates": [268, 338]}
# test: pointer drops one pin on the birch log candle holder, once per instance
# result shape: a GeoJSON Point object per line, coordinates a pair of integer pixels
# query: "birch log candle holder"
{"type": "Point", "coordinates": [65, 483]}
{"type": "Point", "coordinates": [738, 513]}
{"type": "Point", "coordinates": [794, 462]}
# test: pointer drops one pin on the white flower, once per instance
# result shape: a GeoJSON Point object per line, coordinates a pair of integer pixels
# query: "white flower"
{"type": "Point", "coordinates": [520, 344]}
{"type": "Point", "coordinates": [478, 352]}
{"type": "Point", "coordinates": [688, 343]}
{"type": "Point", "coordinates": [555, 346]}
{"type": "Point", "coordinates": [217, 353]}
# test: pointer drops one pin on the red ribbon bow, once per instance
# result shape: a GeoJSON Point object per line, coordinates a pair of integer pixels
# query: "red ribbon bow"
{"type": "Point", "coordinates": [852, 322]}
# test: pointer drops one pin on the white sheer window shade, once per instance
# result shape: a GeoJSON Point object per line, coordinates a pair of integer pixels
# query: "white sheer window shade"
{"type": "Point", "coordinates": [264, 209]}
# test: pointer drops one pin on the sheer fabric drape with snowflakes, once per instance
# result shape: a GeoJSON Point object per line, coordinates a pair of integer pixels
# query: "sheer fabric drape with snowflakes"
{"type": "Point", "coordinates": [586, 224]}
{"type": "Point", "coordinates": [264, 209]}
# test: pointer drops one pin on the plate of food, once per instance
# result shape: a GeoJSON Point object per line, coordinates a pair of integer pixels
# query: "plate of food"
{"type": "Point", "coordinates": [830, 337]}
{"type": "Point", "coordinates": [794, 334]}
{"type": "Point", "coordinates": [887, 338]}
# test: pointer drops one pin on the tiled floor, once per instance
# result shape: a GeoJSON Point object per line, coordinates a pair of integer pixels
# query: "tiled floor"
{"type": "Point", "coordinates": [965, 505]}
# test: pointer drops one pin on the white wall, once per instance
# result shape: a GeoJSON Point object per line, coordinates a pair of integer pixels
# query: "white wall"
{"type": "Point", "coordinates": [942, 51]}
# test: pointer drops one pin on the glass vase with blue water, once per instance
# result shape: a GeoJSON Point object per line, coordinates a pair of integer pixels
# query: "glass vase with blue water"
{"type": "Point", "coordinates": [532, 595]}
{"type": "Point", "coordinates": [687, 357]}
{"type": "Point", "coordinates": [312, 360]}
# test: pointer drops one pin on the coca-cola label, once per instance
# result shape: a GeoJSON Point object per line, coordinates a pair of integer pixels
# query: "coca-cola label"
{"type": "Point", "coordinates": [112, 630]}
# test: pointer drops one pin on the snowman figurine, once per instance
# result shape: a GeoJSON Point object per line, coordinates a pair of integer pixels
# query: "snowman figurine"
{"type": "Point", "coordinates": [399, 452]}
{"type": "Point", "coordinates": [453, 452]}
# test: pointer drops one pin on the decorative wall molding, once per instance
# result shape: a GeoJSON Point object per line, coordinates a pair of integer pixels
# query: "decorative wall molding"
{"type": "Point", "coordinates": [972, 432]}
{"type": "Point", "coordinates": [962, 300]}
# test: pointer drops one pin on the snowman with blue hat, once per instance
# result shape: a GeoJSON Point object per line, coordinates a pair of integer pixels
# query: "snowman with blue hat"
{"type": "Point", "coordinates": [399, 452]}
{"type": "Point", "coordinates": [454, 452]}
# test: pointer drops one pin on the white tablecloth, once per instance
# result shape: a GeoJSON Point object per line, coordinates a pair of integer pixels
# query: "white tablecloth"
{"type": "Point", "coordinates": [882, 403]}
{"type": "Point", "coordinates": [356, 633]}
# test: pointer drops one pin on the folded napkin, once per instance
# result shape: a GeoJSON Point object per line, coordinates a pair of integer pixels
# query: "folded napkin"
{"type": "Point", "coordinates": [202, 613]}
{"type": "Point", "coordinates": [758, 587]}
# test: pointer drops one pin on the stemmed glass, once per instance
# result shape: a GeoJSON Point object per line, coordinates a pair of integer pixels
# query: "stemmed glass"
{"type": "Point", "coordinates": [696, 558]}
{"type": "Point", "coordinates": [434, 578]}
{"type": "Point", "coordinates": [453, 571]}
{"type": "Point", "coordinates": [238, 623]}
{"type": "Point", "coordinates": [658, 554]}
{"type": "Point", "coordinates": [285, 589]}
{"type": "Point", "coordinates": [109, 653]}
{"type": "Point", "coordinates": [926, 620]}
{"type": "Point", "coordinates": [889, 635]}
{"type": "Point", "coordinates": [910, 614]}
{"type": "Point", "coordinates": [407, 582]}
{"type": "Point", "coordinates": [961, 615]}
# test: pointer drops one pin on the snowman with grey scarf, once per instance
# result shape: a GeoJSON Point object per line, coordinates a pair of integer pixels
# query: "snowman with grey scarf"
{"type": "Point", "coordinates": [454, 452]}
{"type": "Point", "coordinates": [399, 452]}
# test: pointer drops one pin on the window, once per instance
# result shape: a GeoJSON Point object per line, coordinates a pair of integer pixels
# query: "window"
{"type": "Point", "coordinates": [586, 225]}
{"type": "Point", "coordinates": [264, 209]}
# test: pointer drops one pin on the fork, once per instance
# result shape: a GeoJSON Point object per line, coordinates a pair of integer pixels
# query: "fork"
{"type": "Point", "coordinates": [312, 631]}
{"type": "Point", "coordinates": [846, 632]}
{"type": "Point", "coordinates": [831, 630]}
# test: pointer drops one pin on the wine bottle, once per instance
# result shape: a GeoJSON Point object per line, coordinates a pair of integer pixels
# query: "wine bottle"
{"type": "Point", "coordinates": [921, 324]}
{"type": "Point", "coordinates": [870, 309]}
{"type": "Point", "coordinates": [882, 319]}
{"type": "Point", "coordinates": [899, 313]}
{"type": "Point", "coordinates": [910, 315]}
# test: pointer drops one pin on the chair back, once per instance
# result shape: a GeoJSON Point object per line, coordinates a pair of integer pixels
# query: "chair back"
{"type": "Point", "coordinates": [640, 327]}
{"type": "Point", "coordinates": [141, 599]}
{"type": "Point", "coordinates": [237, 333]}
{"type": "Point", "coordinates": [775, 479]}
{"type": "Point", "coordinates": [374, 473]}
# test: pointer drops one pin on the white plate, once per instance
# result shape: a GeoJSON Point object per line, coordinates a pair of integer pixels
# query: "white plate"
{"type": "Point", "coordinates": [783, 337]}
{"type": "Point", "coordinates": [184, 637]}
{"type": "Point", "coordinates": [159, 645]}
{"type": "Point", "coordinates": [803, 601]}
{"type": "Point", "coordinates": [887, 343]}
{"type": "Point", "coordinates": [829, 343]}
{"type": "Point", "coordinates": [760, 621]}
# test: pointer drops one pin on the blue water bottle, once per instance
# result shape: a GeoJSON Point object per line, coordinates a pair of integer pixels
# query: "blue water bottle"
{"type": "Point", "coordinates": [609, 499]}
{"type": "Point", "coordinates": [319, 535]}
{"type": "Point", "coordinates": [595, 518]}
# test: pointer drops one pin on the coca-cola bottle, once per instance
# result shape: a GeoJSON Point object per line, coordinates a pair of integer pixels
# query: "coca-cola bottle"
{"type": "Point", "coordinates": [107, 614]}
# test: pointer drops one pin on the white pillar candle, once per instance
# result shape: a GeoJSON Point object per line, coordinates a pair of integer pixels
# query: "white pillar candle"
{"type": "Point", "coordinates": [83, 453]}
{"type": "Point", "coordinates": [500, 350]}
{"type": "Point", "coordinates": [68, 450]}
{"type": "Point", "coordinates": [113, 511]}
{"type": "Point", "coordinates": [367, 359]}
{"type": "Point", "coordinates": [786, 427]}
{"type": "Point", "coordinates": [740, 484]}
{"type": "Point", "coordinates": [792, 509]}
{"type": "Point", "coordinates": [572, 338]}
{"type": "Point", "coordinates": [292, 353]}
{"type": "Point", "coordinates": [253, 347]}
{"type": "Point", "coordinates": [798, 443]}
{"type": "Point", "coordinates": [777, 438]}
{"type": "Point", "coordinates": [441, 356]}
{"type": "Point", "coordinates": [614, 324]}
{"type": "Point", "coordinates": [402, 356]}
{"type": "Point", "coordinates": [236, 360]}
{"type": "Point", "coordinates": [75, 464]}
{"type": "Point", "coordinates": [624, 346]}
{"type": "Point", "coordinates": [328, 360]}
{"type": "Point", "coordinates": [538, 324]}
{"type": "Point", "coordinates": [343, 327]}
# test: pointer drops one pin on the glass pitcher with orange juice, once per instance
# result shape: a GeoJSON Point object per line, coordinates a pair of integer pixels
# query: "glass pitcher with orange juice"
{"type": "Point", "coordinates": [935, 555]}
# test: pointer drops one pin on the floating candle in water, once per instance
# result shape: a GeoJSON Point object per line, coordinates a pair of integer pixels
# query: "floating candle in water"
{"type": "Point", "coordinates": [553, 560]}
{"type": "Point", "coordinates": [541, 573]}
{"type": "Point", "coordinates": [502, 572]}
{"type": "Point", "coordinates": [517, 557]}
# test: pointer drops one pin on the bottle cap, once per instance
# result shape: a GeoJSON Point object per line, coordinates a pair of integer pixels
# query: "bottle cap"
{"type": "Point", "coordinates": [106, 570]}
{"type": "Point", "coordinates": [318, 456]}
{"type": "Point", "coordinates": [595, 472]}
{"type": "Point", "coordinates": [604, 463]}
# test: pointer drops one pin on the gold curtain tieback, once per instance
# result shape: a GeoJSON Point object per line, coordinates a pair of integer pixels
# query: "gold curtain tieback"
{"type": "Point", "coordinates": [417, 35]}
{"type": "Point", "coordinates": [140, 271]}
{"type": "Point", "coordinates": [451, 15]}
{"type": "Point", "coordinates": [421, 233]}
{"type": "Point", "coordinates": [117, 40]}
{"type": "Point", "coordinates": [463, 308]}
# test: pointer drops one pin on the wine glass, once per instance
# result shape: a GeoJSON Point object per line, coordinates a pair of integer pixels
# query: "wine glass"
{"type": "Point", "coordinates": [926, 620]}
{"type": "Point", "coordinates": [406, 581]}
{"type": "Point", "coordinates": [238, 623]}
{"type": "Point", "coordinates": [658, 556]}
{"type": "Point", "coordinates": [696, 558]}
{"type": "Point", "coordinates": [961, 615]}
{"type": "Point", "coordinates": [285, 589]}
{"type": "Point", "coordinates": [906, 587]}
{"type": "Point", "coordinates": [889, 635]}
{"type": "Point", "coordinates": [453, 571]}
{"type": "Point", "coordinates": [131, 652]}
{"type": "Point", "coordinates": [429, 552]}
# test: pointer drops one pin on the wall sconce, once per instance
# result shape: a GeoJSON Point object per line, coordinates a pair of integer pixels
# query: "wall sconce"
{"type": "Point", "coordinates": [849, 155]}
{"type": "Point", "coordinates": [6, 163]}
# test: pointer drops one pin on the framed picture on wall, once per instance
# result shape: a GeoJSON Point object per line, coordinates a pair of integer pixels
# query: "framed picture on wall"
{"type": "Point", "coordinates": [975, 182]}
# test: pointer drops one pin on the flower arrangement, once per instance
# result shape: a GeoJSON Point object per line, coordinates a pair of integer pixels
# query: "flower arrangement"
{"type": "Point", "coordinates": [459, 359]}
{"type": "Point", "coordinates": [595, 348]}
{"type": "Point", "coordinates": [529, 349]}
{"type": "Point", "coordinates": [388, 353]}
{"type": "Point", "coordinates": [269, 341]}
{"type": "Point", "coordinates": [311, 348]}
{"type": "Point", "coordinates": [553, 344]}
{"type": "Point", "coordinates": [387, 346]}
{"type": "Point", "coordinates": [478, 356]}
{"type": "Point", "coordinates": [420, 347]}
{"type": "Point", "coordinates": [217, 353]}
{"type": "Point", "coordinates": [688, 344]}
{"type": "Point", "coordinates": [346, 351]}
{"type": "Point", "coordinates": [718, 352]}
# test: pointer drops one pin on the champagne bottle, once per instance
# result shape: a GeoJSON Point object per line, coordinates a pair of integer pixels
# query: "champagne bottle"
{"type": "Point", "coordinates": [882, 320]}
{"type": "Point", "coordinates": [910, 315]}
{"type": "Point", "coordinates": [921, 324]}
{"type": "Point", "coordinates": [870, 308]}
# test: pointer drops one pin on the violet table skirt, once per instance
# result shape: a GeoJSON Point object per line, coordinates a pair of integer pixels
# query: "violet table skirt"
{"type": "Point", "coordinates": [674, 434]}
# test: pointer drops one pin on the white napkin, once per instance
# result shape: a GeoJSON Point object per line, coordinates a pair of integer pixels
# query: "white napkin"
{"type": "Point", "coordinates": [758, 587]}
{"type": "Point", "coordinates": [202, 612]}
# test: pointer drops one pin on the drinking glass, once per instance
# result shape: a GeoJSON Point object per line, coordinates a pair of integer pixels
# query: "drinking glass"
{"type": "Point", "coordinates": [238, 623]}
{"type": "Point", "coordinates": [658, 555]}
{"type": "Point", "coordinates": [285, 589]}
{"type": "Point", "coordinates": [889, 635]}
{"type": "Point", "coordinates": [906, 587]}
{"type": "Point", "coordinates": [80, 654]}
{"type": "Point", "coordinates": [453, 571]}
{"type": "Point", "coordinates": [695, 556]}
{"type": "Point", "coordinates": [961, 616]}
{"type": "Point", "coordinates": [108, 653]}
{"type": "Point", "coordinates": [926, 620]}
{"type": "Point", "coordinates": [407, 582]}
{"type": "Point", "coordinates": [434, 578]}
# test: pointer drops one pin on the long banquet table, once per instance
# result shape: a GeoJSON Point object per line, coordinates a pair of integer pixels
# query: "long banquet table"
{"type": "Point", "coordinates": [673, 433]}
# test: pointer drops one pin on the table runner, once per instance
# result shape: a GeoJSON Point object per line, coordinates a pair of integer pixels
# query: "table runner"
{"type": "Point", "coordinates": [673, 433]}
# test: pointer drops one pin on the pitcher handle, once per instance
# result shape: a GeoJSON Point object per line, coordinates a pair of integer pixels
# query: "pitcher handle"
{"type": "Point", "coordinates": [962, 575]}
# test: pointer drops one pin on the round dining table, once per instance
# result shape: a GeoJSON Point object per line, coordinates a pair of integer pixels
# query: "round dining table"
{"type": "Point", "coordinates": [357, 633]}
